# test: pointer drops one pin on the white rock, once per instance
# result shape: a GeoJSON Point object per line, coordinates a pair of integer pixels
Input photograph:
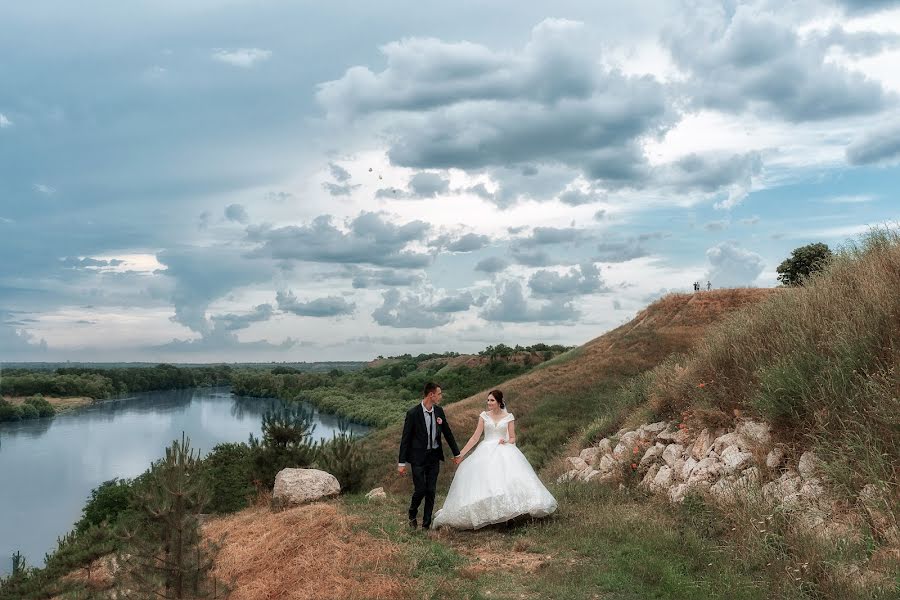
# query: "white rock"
{"type": "Point", "coordinates": [298, 486]}
{"type": "Point", "coordinates": [809, 465]}
{"type": "Point", "coordinates": [775, 457]}
{"type": "Point", "coordinates": [706, 471]}
{"type": "Point", "coordinates": [577, 463]}
{"type": "Point", "coordinates": [605, 446]}
{"type": "Point", "coordinates": [702, 445]}
{"type": "Point", "coordinates": [663, 478]}
{"type": "Point", "coordinates": [588, 474]}
{"type": "Point", "coordinates": [651, 455]}
{"type": "Point", "coordinates": [607, 463]}
{"type": "Point", "coordinates": [568, 476]}
{"type": "Point", "coordinates": [812, 490]}
{"type": "Point", "coordinates": [756, 432]}
{"type": "Point", "coordinates": [377, 494]}
{"type": "Point", "coordinates": [647, 481]}
{"type": "Point", "coordinates": [686, 469]}
{"type": "Point", "coordinates": [589, 455]}
{"type": "Point", "coordinates": [626, 443]}
{"type": "Point", "coordinates": [672, 453]}
{"type": "Point", "coordinates": [730, 439]}
{"type": "Point", "coordinates": [678, 467]}
{"type": "Point", "coordinates": [682, 436]}
{"type": "Point", "coordinates": [666, 436]}
{"type": "Point", "coordinates": [656, 427]}
{"type": "Point", "coordinates": [735, 460]}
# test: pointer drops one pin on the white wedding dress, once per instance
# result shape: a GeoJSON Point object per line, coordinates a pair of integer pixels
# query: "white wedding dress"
{"type": "Point", "coordinates": [494, 484]}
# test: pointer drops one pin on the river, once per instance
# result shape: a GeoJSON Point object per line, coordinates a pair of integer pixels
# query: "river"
{"type": "Point", "coordinates": [48, 467]}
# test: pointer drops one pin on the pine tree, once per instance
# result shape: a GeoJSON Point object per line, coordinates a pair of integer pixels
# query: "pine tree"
{"type": "Point", "coordinates": [164, 555]}
{"type": "Point", "coordinates": [286, 442]}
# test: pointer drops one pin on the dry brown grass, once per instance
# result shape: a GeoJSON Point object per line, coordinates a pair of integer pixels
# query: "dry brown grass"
{"type": "Point", "coordinates": [310, 552]}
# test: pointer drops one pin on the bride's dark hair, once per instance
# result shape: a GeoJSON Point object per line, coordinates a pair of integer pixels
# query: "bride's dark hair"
{"type": "Point", "coordinates": [498, 396]}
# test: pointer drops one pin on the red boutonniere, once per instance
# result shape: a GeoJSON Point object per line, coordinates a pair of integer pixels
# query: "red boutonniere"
{"type": "Point", "coordinates": [440, 421]}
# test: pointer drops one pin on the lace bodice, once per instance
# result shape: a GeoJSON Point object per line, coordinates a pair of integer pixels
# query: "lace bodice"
{"type": "Point", "coordinates": [494, 431]}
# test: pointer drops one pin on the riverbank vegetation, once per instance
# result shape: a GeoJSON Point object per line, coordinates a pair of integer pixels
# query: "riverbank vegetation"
{"type": "Point", "coordinates": [33, 407]}
{"type": "Point", "coordinates": [381, 393]}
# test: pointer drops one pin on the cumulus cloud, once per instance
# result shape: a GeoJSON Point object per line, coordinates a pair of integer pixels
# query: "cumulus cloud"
{"type": "Point", "coordinates": [732, 266]}
{"type": "Point", "coordinates": [368, 278]}
{"type": "Point", "coordinates": [878, 146]}
{"type": "Point", "coordinates": [4, 121]}
{"type": "Point", "coordinates": [463, 105]}
{"type": "Point", "coordinates": [510, 306]}
{"type": "Point", "coordinates": [73, 262]}
{"type": "Point", "coordinates": [469, 242]}
{"type": "Point", "coordinates": [428, 185]}
{"type": "Point", "coordinates": [408, 311]}
{"type": "Point", "coordinates": [234, 322]}
{"type": "Point", "coordinates": [747, 59]}
{"type": "Point", "coordinates": [616, 250]}
{"type": "Point", "coordinates": [203, 274]}
{"type": "Point", "coordinates": [492, 264]}
{"type": "Point", "coordinates": [340, 174]}
{"type": "Point", "coordinates": [241, 57]}
{"type": "Point", "coordinates": [367, 239]}
{"type": "Point", "coordinates": [584, 279]}
{"type": "Point", "coordinates": [865, 6]}
{"type": "Point", "coordinates": [339, 189]}
{"type": "Point", "coordinates": [330, 306]}
{"type": "Point", "coordinates": [451, 304]}
{"type": "Point", "coordinates": [542, 236]}
{"type": "Point", "coordinates": [343, 187]}
{"type": "Point", "coordinates": [237, 213]}
{"type": "Point", "coordinates": [16, 343]}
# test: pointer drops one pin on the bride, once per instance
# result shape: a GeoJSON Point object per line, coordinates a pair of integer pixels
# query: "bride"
{"type": "Point", "coordinates": [496, 483]}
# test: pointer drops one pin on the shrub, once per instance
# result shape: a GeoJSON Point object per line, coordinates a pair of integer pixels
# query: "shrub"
{"type": "Point", "coordinates": [44, 408]}
{"type": "Point", "coordinates": [227, 470]}
{"type": "Point", "coordinates": [803, 262]}
{"type": "Point", "coordinates": [344, 457]}
{"type": "Point", "coordinates": [28, 411]}
{"type": "Point", "coordinates": [108, 500]}
{"type": "Point", "coordinates": [286, 442]}
{"type": "Point", "coordinates": [8, 412]}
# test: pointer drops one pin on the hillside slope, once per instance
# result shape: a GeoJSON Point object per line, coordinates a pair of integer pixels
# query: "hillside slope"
{"type": "Point", "coordinates": [560, 396]}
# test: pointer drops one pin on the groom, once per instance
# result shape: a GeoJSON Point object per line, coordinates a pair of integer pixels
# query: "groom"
{"type": "Point", "coordinates": [421, 447]}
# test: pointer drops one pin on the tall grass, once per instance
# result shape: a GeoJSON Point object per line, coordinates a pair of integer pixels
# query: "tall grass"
{"type": "Point", "coordinates": [821, 361]}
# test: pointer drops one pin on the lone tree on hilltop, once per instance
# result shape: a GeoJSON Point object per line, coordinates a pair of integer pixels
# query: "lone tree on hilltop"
{"type": "Point", "coordinates": [803, 262]}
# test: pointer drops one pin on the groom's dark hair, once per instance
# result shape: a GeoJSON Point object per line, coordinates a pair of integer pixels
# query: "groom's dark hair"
{"type": "Point", "coordinates": [430, 387]}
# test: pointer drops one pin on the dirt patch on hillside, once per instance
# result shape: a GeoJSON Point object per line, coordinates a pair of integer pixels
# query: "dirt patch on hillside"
{"type": "Point", "coordinates": [310, 553]}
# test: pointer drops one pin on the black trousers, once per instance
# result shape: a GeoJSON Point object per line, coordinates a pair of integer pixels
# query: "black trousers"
{"type": "Point", "coordinates": [425, 478]}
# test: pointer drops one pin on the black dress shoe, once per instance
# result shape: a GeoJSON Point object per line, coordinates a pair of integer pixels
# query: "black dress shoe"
{"type": "Point", "coordinates": [413, 524]}
{"type": "Point", "coordinates": [426, 525]}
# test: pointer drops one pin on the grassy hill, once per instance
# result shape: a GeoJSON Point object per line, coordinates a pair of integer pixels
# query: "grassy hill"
{"type": "Point", "coordinates": [559, 397]}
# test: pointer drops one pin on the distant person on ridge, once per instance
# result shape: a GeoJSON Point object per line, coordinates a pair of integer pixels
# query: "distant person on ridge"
{"type": "Point", "coordinates": [421, 449]}
{"type": "Point", "coordinates": [708, 286]}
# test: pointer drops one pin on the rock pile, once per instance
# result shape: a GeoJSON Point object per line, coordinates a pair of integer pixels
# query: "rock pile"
{"type": "Point", "coordinates": [669, 458]}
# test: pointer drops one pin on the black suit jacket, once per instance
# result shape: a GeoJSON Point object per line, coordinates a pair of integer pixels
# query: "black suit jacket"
{"type": "Point", "coordinates": [414, 442]}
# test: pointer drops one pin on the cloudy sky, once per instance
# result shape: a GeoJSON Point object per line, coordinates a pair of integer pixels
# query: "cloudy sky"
{"type": "Point", "coordinates": [233, 180]}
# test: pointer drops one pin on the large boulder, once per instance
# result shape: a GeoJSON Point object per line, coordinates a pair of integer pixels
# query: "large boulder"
{"type": "Point", "coordinates": [299, 486]}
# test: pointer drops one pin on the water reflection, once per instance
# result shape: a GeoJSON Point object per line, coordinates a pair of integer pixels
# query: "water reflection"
{"type": "Point", "coordinates": [49, 466]}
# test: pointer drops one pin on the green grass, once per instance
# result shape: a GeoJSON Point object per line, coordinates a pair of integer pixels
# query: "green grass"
{"type": "Point", "coordinates": [602, 544]}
